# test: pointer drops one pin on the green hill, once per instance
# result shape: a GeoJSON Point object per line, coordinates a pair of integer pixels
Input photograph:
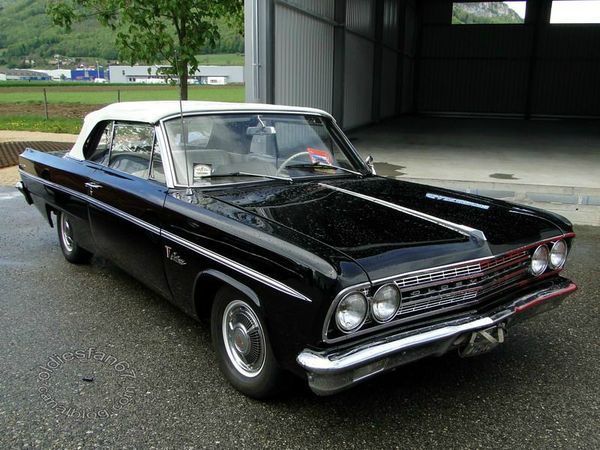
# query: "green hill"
{"type": "Point", "coordinates": [27, 33]}
{"type": "Point", "coordinates": [484, 13]}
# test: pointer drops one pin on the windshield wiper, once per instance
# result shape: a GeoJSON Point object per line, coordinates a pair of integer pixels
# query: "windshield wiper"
{"type": "Point", "coordinates": [247, 174]}
{"type": "Point", "coordinates": [317, 165]}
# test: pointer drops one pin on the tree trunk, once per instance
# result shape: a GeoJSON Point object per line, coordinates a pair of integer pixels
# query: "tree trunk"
{"type": "Point", "coordinates": [183, 83]}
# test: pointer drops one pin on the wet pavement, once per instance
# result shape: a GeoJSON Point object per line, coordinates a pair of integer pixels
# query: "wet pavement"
{"type": "Point", "coordinates": [135, 372]}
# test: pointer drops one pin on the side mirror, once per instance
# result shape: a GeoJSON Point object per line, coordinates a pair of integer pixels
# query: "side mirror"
{"type": "Point", "coordinates": [370, 164]}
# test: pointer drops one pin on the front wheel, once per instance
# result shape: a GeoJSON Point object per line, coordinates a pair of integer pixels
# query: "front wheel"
{"type": "Point", "coordinates": [70, 249]}
{"type": "Point", "coordinates": [242, 345]}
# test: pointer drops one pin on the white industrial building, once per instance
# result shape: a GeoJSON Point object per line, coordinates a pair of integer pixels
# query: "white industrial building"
{"type": "Point", "coordinates": [212, 75]}
{"type": "Point", "coordinates": [56, 74]}
{"type": "Point", "coordinates": [23, 75]}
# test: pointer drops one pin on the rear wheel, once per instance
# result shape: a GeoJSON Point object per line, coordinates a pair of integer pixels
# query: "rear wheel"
{"type": "Point", "coordinates": [70, 249]}
{"type": "Point", "coordinates": [242, 345]}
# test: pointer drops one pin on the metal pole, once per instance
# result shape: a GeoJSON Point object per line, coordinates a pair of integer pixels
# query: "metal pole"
{"type": "Point", "coordinates": [45, 104]}
{"type": "Point", "coordinates": [119, 95]}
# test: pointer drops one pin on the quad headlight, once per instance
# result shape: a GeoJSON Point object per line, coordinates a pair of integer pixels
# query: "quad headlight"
{"type": "Point", "coordinates": [539, 260]}
{"type": "Point", "coordinates": [558, 255]}
{"type": "Point", "coordinates": [385, 303]}
{"type": "Point", "coordinates": [351, 312]}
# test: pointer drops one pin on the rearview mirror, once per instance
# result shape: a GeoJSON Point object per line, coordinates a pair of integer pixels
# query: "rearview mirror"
{"type": "Point", "coordinates": [370, 164]}
{"type": "Point", "coordinates": [260, 131]}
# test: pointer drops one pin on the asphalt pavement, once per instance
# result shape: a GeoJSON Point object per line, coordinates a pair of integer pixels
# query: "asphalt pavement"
{"type": "Point", "coordinates": [89, 358]}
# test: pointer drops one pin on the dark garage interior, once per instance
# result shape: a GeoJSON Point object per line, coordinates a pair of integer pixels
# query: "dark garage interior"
{"type": "Point", "coordinates": [366, 60]}
{"type": "Point", "coordinates": [399, 74]}
{"type": "Point", "coordinates": [536, 69]}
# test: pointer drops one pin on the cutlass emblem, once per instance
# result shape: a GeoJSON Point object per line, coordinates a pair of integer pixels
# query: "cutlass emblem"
{"type": "Point", "coordinates": [173, 256]}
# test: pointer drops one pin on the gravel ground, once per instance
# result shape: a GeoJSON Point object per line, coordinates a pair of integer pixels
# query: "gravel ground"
{"type": "Point", "coordinates": [15, 136]}
{"type": "Point", "coordinates": [9, 176]}
{"type": "Point", "coordinates": [539, 390]}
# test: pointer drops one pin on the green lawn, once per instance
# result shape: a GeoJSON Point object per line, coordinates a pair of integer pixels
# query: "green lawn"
{"type": "Point", "coordinates": [38, 123]}
{"type": "Point", "coordinates": [222, 59]}
{"type": "Point", "coordinates": [95, 95]}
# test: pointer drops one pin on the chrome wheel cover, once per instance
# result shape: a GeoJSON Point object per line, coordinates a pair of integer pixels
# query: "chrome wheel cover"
{"type": "Point", "coordinates": [66, 233]}
{"type": "Point", "coordinates": [244, 338]}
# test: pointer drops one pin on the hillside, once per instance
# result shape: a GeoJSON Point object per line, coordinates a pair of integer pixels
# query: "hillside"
{"type": "Point", "coordinates": [26, 33]}
{"type": "Point", "coordinates": [484, 13]}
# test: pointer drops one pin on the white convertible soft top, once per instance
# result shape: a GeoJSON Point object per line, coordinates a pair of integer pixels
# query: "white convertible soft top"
{"type": "Point", "coordinates": [152, 112]}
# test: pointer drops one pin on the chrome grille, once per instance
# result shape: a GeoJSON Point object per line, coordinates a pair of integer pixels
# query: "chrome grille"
{"type": "Point", "coordinates": [438, 276]}
{"type": "Point", "coordinates": [433, 292]}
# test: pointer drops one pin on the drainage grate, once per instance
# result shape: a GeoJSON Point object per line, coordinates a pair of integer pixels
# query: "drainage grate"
{"type": "Point", "coordinates": [503, 176]}
{"type": "Point", "coordinates": [10, 151]}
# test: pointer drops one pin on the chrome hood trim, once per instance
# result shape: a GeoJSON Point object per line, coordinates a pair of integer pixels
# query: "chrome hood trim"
{"type": "Point", "coordinates": [462, 229]}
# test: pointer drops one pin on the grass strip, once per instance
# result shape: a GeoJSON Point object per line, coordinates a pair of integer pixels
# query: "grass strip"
{"type": "Point", "coordinates": [39, 123]}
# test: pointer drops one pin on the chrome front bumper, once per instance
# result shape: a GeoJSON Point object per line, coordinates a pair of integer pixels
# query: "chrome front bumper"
{"type": "Point", "coordinates": [333, 370]}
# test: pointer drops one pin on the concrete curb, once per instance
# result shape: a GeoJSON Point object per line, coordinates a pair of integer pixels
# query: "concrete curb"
{"type": "Point", "coordinates": [579, 204]}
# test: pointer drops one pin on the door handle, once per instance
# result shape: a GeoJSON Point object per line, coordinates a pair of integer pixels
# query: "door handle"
{"type": "Point", "coordinates": [91, 185]}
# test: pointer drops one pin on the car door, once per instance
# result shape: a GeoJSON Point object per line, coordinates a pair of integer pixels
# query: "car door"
{"type": "Point", "coordinates": [128, 193]}
{"type": "Point", "coordinates": [73, 176]}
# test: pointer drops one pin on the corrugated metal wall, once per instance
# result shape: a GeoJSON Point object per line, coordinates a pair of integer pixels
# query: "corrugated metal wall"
{"type": "Point", "coordinates": [322, 8]}
{"type": "Point", "coordinates": [358, 81]}
{"type": "Point", "coordinates": [408, 29]}
{"type": "Point", "coordinates": [304, 56]}
{"type": "Point", "coordinates": [358, 67]}
{"type": "Point", "coordinates": [390, 77]}
{"type": "Point", "coordinates": [389, 84]}
{"type": "Point", "coordinates": [391, 10]}
{"type": "Point", "coordinates": [474, 68]}
{"type": "Point", "coordinates": [365, 46]}
{"type": "Point", "coordinates": [360, 17]}
{"type": "Point", "coordinates": [567, 76]}
{"type": "Point", "coordinates": [389, 59]}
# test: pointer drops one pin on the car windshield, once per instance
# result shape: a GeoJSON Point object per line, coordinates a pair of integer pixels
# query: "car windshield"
{"type": "Point", "coordinates": [229, 148]}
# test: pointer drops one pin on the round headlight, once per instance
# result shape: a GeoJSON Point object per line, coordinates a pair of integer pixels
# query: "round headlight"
{"type": "Point", "coordinates": [385, 303]}
{"type": "Point", "coordinates": [351, 312]}
{"type": "Point", "coordinates": [558, 254]}
{"type": "Point", "coordinates": [539, 260]}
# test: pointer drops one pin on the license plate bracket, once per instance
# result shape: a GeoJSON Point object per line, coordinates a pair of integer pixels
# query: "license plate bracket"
{"type": "Point", "coordinates": [483, 341]}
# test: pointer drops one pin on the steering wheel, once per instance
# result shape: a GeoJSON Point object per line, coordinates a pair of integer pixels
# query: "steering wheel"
{"type": "Point", "coordinates": [290, 159]}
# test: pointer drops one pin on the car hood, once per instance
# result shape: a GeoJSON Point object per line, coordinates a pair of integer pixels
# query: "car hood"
{"type": "Point", "coordinates": [390, 227]}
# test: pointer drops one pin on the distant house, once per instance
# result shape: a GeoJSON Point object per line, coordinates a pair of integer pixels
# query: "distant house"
{"type": "Point", "coordinates": [214, 75]}
{"type": "Point", "coordinates": [23, 75]}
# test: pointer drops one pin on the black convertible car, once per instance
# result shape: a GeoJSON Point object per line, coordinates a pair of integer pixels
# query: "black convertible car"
{"type": "Point", "coordinates": [265, 221]}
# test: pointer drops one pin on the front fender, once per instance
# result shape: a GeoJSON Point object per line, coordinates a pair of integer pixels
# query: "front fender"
{"type": "Point", "coordinates": [214, 280]}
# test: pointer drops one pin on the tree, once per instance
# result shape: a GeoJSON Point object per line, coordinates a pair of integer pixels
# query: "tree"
{"type": "Point", "coordinates": [157, 31]}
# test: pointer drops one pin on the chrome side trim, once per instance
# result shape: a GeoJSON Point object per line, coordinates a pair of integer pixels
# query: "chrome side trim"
{"type": "Point", "coordinates": [281, 287]}
{"type": "Point", "coordinates": [95, 202]}
{"type": "Point", "coordinates": [209, 112]}
{"type": "Point", "coordinates": [235, 266]}
{"type": "Point", "coordinates": [462, 229]}
{"type": "Point", "coordinates": [161, 139]}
